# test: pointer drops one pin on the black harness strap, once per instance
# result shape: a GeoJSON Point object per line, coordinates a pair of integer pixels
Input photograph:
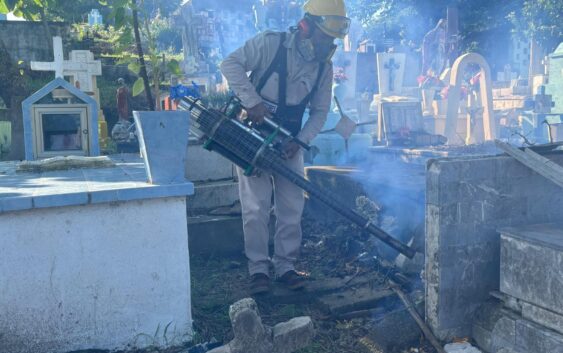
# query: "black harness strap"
{"type": "Point", "coordinates": [289, 116]}
{"type": "Point", "coordinates": [274, 64]}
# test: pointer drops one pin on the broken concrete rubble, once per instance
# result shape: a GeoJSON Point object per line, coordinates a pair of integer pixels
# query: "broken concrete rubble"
{"type": "Point", "coordinates": [460, 348]}
{"type": "Point", "coordinates": [252, 336]}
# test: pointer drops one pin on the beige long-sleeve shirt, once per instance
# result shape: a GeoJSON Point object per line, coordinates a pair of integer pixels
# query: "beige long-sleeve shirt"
{"type": "Point", "coordinates": [256, 56]}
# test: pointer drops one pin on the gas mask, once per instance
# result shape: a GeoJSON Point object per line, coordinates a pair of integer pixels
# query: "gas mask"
{"type": "Point", "coordinates": [323, 53]}
{"type": "Point", "coordinates": [311, 52]}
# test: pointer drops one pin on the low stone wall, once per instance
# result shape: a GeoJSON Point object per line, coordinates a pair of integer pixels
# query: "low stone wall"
{"type": "Point", "coordinates": [467, 201]}
{"type": "Point", "coordinates": [26, 40]}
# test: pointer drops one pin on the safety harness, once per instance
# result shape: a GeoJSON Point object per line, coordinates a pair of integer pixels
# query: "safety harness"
{"type": "Point", "coordinates": [290, 117]}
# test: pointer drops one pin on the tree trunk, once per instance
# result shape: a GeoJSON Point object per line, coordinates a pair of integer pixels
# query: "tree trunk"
{"type": "Point", "coordinates": [143, 70]}
{"type": "Point", "coordinates": [46, 28]}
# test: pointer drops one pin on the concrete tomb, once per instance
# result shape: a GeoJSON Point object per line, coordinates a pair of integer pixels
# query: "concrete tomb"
{"type": "Point", "coordinates": [530, 267]}
{"type": "Point", "coordinates": [529, 315]}
{"type": "Point", "coordinates": [467, 200]}
{"type": "Point", "coordinates": [95, 257]}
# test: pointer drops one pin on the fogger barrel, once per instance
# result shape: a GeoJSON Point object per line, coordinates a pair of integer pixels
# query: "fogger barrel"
{"type": "Point", "coordinates": [250, 150]}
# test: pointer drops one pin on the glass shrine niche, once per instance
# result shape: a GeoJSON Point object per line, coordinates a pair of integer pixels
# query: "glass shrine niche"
{"type": "Point", "coordinates": [60, 120]}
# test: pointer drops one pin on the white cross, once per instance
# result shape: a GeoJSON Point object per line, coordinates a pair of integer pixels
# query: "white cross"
{"type": "Point", "coordinates": [96, 17]}
{"type": "Point", "coordinates": [57, 64]}
{"type": "Point", "coordinates": [81, 66]}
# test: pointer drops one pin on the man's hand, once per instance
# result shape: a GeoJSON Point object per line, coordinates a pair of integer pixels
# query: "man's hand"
{"type": "Point", "coordinates": [257, 113]}
{"type": "Point", "coordinates": [290, 149]}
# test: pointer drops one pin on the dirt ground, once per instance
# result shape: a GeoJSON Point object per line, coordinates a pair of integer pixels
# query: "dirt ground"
{"type": "Point", "coordinates": [329, 251]}
{"type": "Point", "coordinates": [219, 282]}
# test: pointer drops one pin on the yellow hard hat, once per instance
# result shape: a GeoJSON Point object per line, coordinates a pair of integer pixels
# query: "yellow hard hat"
{"type": "Point", "coordinates": [325, 8]}
{"type": "Point", "coordinates": [329, 16]}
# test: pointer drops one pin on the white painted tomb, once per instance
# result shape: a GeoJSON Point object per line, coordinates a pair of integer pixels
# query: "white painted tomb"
{"type": "Point", "coordinates": [94, 258]}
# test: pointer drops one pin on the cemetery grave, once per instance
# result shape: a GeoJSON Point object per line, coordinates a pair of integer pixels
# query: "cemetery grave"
{"type": "Point", "coordinates": [121, 223]}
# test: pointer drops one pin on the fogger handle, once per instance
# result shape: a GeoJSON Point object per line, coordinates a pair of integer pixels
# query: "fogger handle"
{"type": "Point", "coordinates": [286, 133]}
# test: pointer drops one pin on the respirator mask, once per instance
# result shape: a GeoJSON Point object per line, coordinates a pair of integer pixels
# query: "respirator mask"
{"type": "Point", "coordinates": [333, 26]}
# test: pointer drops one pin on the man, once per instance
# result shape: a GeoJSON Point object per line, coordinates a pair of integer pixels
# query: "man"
{"type": "Point", "coordinates": [290, 71]}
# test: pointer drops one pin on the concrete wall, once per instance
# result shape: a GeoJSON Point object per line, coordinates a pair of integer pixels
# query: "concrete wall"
{"type": "Point", "coordinates": [27, 41]}
{"type": "Point", "coordinates": [467, 200]}
{"type": "Point", "coordinates": [99, 276]}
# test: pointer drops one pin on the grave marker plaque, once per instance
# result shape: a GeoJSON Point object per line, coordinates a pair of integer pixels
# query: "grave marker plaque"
{"type": "Point", "coordinates": [391, 72]}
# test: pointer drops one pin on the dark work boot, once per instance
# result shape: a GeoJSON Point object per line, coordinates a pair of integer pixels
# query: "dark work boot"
{"type": "Point", "coordinates": [259, 283]}
{"type": "Point", "coordinates": [293, 280]}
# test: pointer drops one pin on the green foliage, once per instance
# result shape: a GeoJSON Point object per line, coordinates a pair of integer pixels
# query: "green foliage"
{"type": "Point", "coordinates": [540, 19]}
{"type": "Point", "coordinates": [411, 19]}
{"type": "Point", "coordinates": [50, 10]}
{"type": "Point", "coordinates": [168, 37]}
{"type": "Point", "coordinates": [138, 87]}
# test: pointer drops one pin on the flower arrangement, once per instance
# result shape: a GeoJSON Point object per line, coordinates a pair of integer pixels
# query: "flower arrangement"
{"type": "Point", "coordinates": [427, 81]}
{"type": "Point", "coordinates": [463, 92]}
{"type": "Point", "coordinates": [339, 75]}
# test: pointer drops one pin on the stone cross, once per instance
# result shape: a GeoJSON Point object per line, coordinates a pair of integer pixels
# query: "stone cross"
{"type": "Point", "coordinates": [81, 66]}
{"type": "Point", "coordinates": [391, 65]}
{"type": "Point", "coordinates": [95, 18]}
{"type": "Point", "coordinates": [251, 336]}
{"type": "Point", "coordinates": [55, 65]}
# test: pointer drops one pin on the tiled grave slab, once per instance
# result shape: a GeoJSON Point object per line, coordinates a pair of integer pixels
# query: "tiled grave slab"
{"type": "Point", "coordinates": [126, 181]}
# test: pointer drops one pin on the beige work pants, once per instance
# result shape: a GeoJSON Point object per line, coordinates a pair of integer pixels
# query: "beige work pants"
{"type": "Point", "coordinates": [255, 196]}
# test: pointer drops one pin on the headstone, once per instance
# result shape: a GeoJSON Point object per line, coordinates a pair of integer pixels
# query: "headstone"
{"type": "Point", "coordinates": [251, 335]}
{"type": "Point", "coordinates": [485, 127]}
{"type": "Point", "coordinates": [399, 121]}
{"type": "Point", "coordinates": [82, 67]}
{"type": "Point", "coordinates": [366, 72]}
{"type": "Point", "coordinates": [163, 139]}
{"type": "Point", "coordinates": [95, 18]}
{"type": "Point", "coordinates": [412, 62]}
{"type": "Point", "coordinates": [390, 73]}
